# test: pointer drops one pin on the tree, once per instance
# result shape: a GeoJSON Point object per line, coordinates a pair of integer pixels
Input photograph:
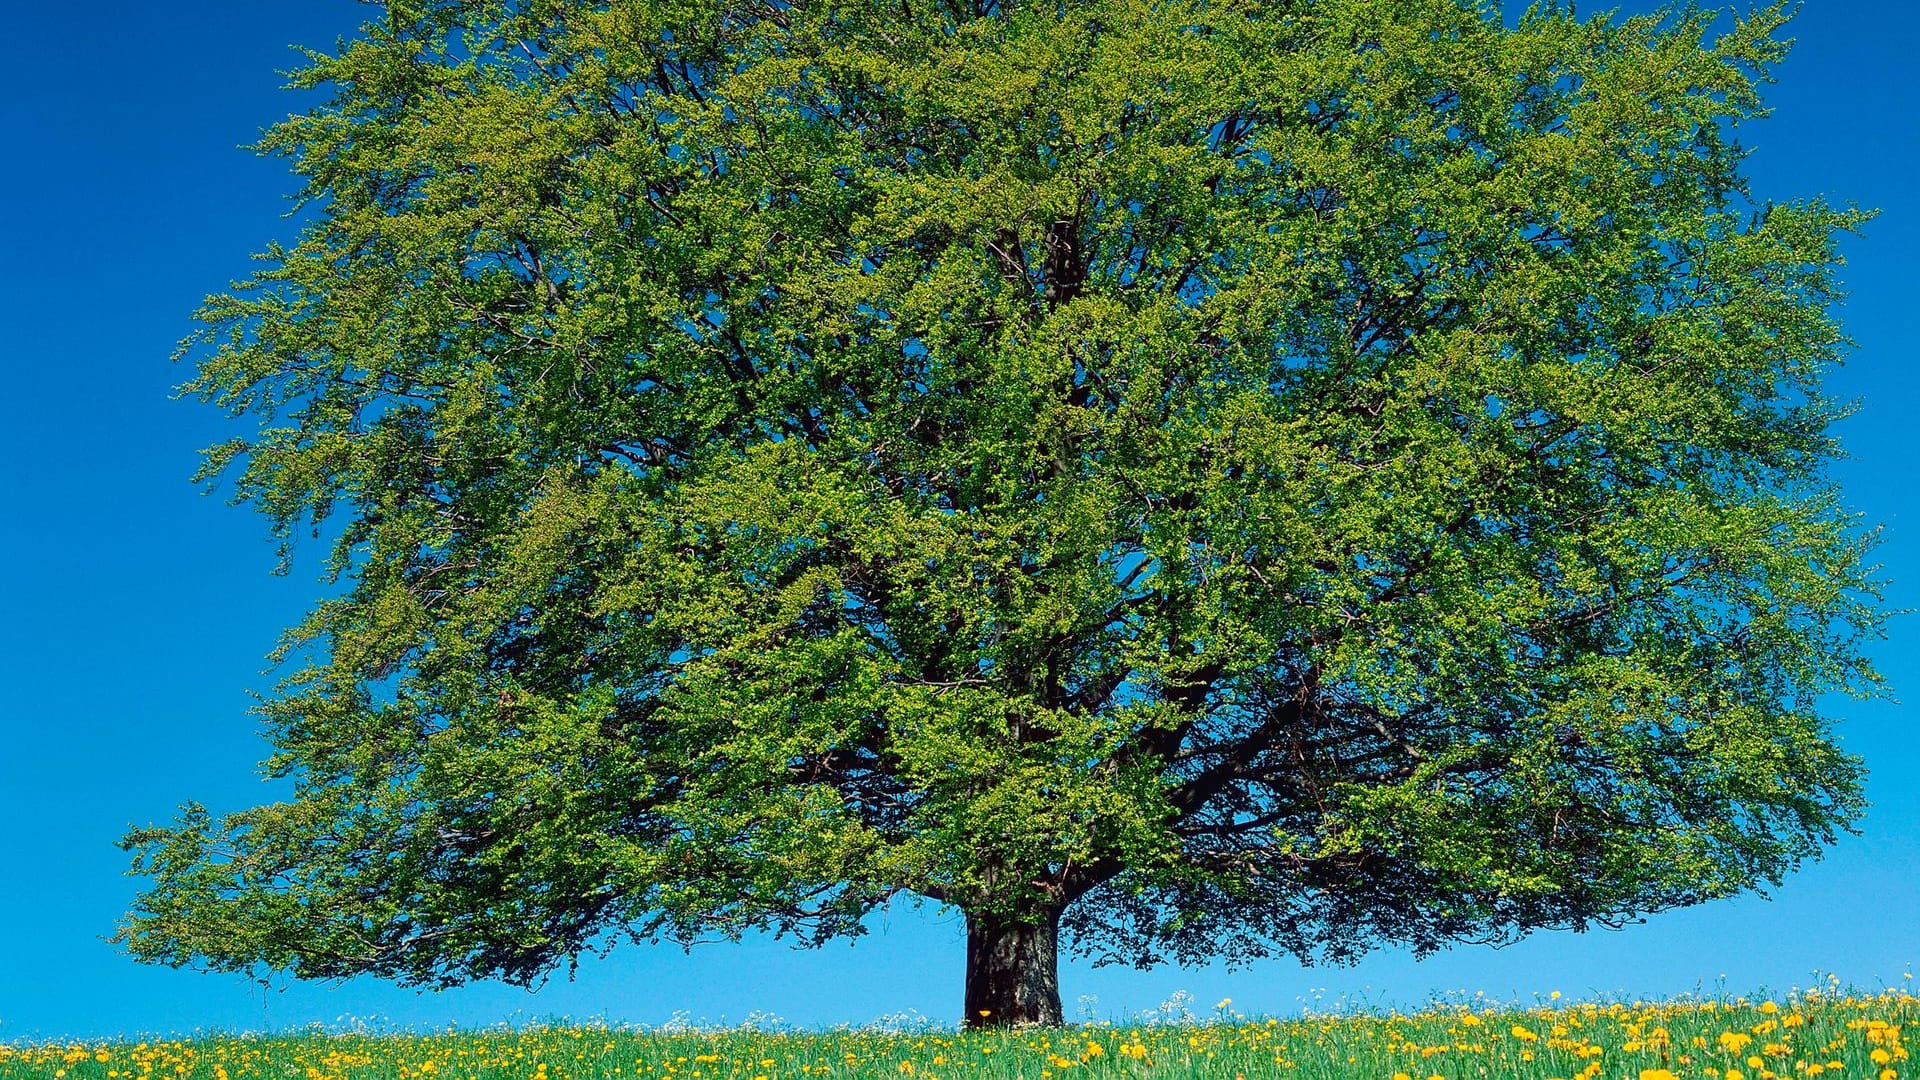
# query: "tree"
{"type": "Point", "coordinates": [1213, 477]}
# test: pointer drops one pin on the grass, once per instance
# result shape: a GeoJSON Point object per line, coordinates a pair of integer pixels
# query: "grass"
{"type": "Point", "coordinates": [1812, 1034]}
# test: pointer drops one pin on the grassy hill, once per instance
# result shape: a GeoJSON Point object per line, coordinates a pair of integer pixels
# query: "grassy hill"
{"type": "Point", "coordinates": [1807, 1035]}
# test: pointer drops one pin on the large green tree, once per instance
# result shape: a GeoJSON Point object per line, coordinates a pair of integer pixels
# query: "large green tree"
{"type": "Point", "coordinates": [1211, 477]}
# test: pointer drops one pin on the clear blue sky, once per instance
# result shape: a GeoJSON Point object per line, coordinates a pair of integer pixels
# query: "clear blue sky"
{"type": "Point", "coordinates": [138, 612]}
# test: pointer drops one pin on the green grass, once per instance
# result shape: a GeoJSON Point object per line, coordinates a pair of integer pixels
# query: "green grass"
{"type": "Point", "coordinates": [1812, 1035]}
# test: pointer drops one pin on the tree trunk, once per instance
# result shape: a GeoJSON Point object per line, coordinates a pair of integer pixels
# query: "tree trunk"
{"type": "Point", "coordinates": [1013, 974]}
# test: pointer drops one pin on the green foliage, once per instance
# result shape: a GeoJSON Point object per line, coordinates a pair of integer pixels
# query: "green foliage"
{"type": "Point", "coordinates": [1232, 476]}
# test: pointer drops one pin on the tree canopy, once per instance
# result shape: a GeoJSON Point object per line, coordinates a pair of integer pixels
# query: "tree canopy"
{"type": "Point", "coordinates": [1215, 477]}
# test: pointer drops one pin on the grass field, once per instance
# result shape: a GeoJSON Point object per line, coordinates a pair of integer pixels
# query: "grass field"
{"type": "Point", "coordinates": [1806, 1035]}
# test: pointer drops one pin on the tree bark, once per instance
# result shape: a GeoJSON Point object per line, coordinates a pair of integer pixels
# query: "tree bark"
{"type": "Point", "coordinates": [1013, 971]}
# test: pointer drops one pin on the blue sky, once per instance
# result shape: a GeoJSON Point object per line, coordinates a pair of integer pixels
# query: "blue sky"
{"type": "Point", "coordinates": [138, 611]}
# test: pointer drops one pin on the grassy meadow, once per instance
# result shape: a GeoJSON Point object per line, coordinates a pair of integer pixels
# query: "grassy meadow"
{"type": "Point", "coordinates": [1813, 1034]}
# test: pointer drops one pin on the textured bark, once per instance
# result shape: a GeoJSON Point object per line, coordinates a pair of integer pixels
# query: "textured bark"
{"type": "Point", "coordinates": [1013, 974]}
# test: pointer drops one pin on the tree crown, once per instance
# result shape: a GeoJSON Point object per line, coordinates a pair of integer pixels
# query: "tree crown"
{"type": "Point", "coordinates": [1231, 475]}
